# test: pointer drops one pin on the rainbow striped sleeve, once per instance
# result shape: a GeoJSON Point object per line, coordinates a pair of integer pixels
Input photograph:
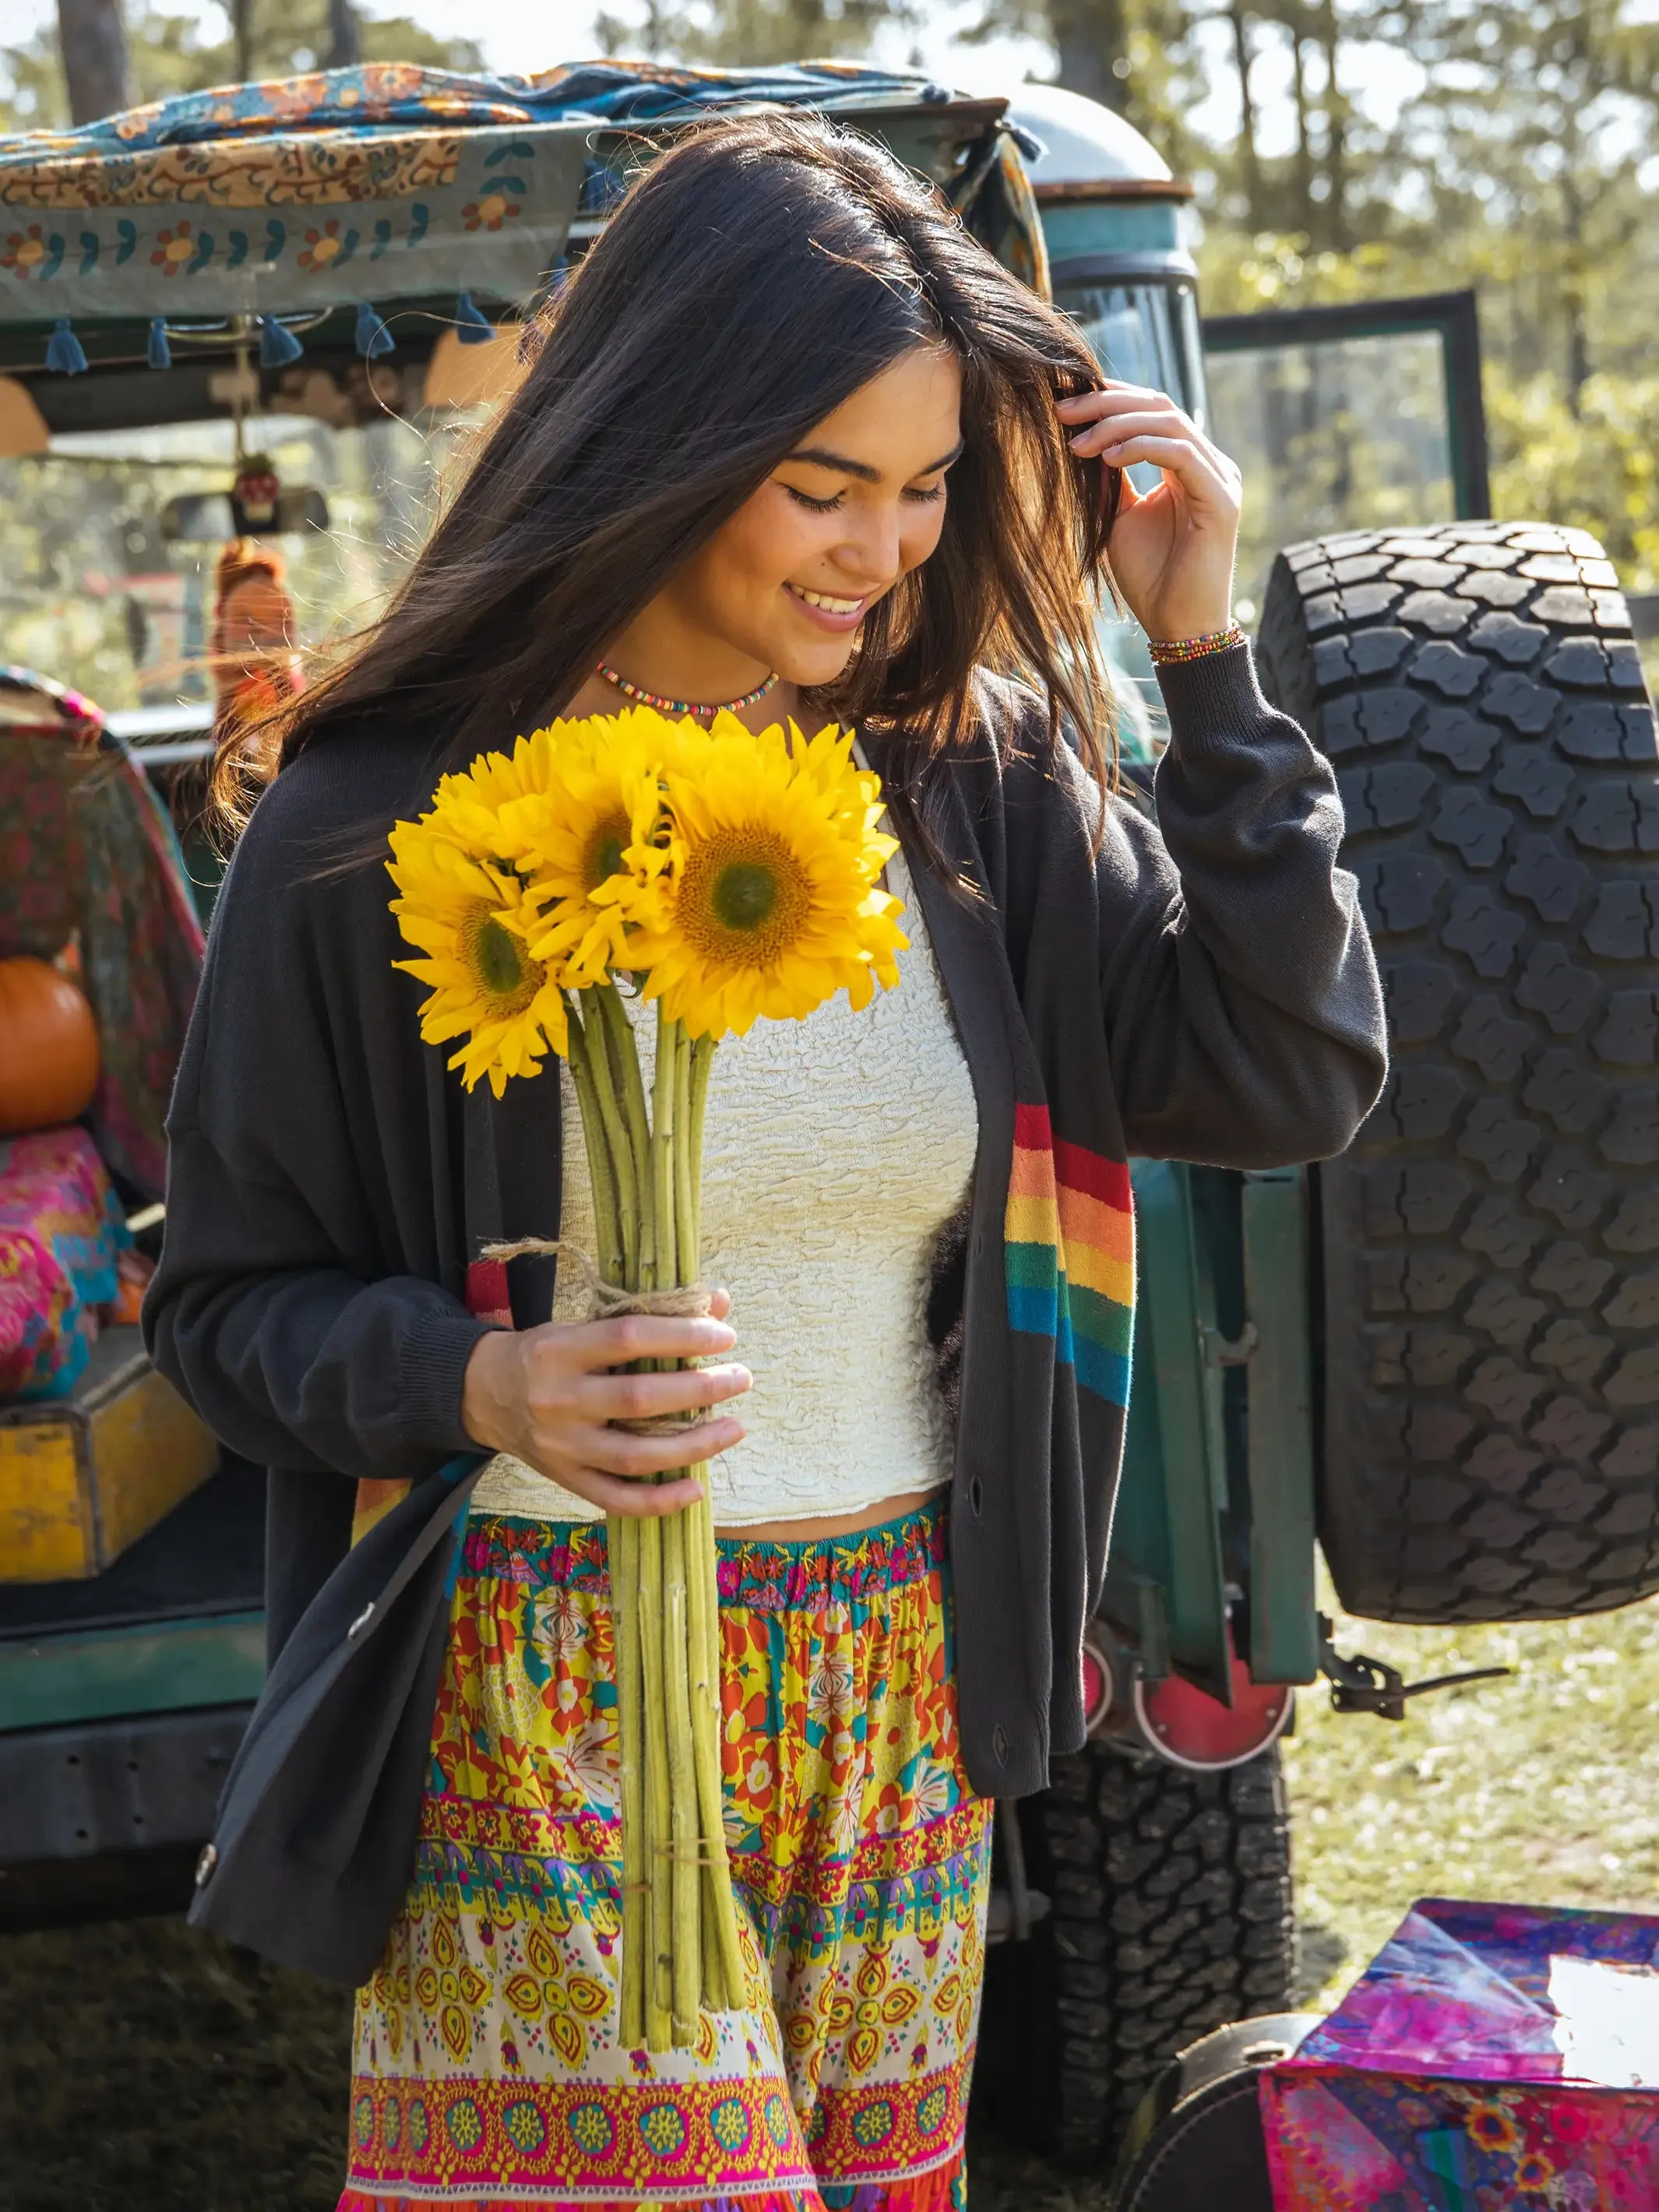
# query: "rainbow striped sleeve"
{"type": "Point", "coordinates": [1069, 1236]}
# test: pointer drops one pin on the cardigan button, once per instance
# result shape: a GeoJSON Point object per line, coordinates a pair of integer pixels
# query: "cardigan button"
{"type": "Point", "coordinates": [976, 1494]}
{"type": "Point", "coordinates": [206, 1861]}
{"type": "Point", "coordinates": [1000, 1743]}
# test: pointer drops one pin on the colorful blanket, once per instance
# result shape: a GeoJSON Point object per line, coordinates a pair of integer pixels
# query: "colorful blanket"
{"type": "Point", "coordinates": [382, 181]}
{"type": "Point", "coordinates": [1490, 2055]}
{"type": "Point", "coordinates": [61, 1235]}
{"type": "Point", "coordinates": [391, 96]}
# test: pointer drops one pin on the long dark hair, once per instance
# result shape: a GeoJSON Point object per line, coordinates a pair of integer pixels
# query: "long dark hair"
{"type": "Point", "coordinates": [757, 274]}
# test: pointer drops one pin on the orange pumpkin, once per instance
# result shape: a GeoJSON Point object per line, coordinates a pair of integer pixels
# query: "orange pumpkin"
{"type": "Point", "coordinates": [49, 1057]}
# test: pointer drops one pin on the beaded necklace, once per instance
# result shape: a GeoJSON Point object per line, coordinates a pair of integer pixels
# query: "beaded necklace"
{"type": "Point", "coordinates": [637, 691]}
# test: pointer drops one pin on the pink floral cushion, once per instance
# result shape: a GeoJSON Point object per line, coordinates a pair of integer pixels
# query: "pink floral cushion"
{"type": "Point", "coordinates": [61, 1233]}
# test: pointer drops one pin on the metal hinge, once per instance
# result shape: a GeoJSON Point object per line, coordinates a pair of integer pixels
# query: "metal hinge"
{"type": "Point", "coordinates": [1230, 1351]}
{"type": "Point", "coordinates": [1364, 1684]}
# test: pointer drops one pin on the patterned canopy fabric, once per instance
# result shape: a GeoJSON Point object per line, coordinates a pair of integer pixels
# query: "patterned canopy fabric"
{"type": "Point", "coordinates": [383, 180]}
{"type": "Point", "coordinates": [379, 96]}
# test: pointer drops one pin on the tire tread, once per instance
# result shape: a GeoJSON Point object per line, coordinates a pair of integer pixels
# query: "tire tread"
{"type": "Point", "coordinates": [1491, 1394]}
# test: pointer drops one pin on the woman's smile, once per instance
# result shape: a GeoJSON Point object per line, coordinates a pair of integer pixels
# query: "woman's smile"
{"type": "Point", "coordinates": [828, 611]}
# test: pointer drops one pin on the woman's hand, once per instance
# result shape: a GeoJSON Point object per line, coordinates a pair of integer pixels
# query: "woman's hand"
{"type": "Point", "coordinates": [1172, 550]}
{"type": "Point", "coordinates": [546, 1395]}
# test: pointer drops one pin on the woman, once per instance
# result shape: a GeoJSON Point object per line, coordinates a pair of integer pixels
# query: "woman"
{"type": "Point", "coordinates": [794, 444]}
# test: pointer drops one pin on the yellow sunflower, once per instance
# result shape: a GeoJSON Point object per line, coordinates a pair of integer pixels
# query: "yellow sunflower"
{"type": "Point", "coordinates": [467, 806]}
{"type": "Point", "coordinates": [589, 835]}
{"type": "Point", "coordinates": [468, 916]}
{"type": "Point", "coordinates": [768, 904]}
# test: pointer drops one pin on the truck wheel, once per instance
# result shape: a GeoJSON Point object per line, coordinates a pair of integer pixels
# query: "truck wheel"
{"type": "Point", "coordinates": [1490, 1289]}
{"type": "Point", "coordinates": [1170, 1897]}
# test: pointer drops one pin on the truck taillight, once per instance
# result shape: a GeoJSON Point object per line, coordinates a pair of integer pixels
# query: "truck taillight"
{"type": "Point", "coordinates": [1096, 1687]}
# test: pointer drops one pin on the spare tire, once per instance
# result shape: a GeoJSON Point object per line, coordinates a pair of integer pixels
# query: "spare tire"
{"type": "Point", "coordinates": [1490, 1242]}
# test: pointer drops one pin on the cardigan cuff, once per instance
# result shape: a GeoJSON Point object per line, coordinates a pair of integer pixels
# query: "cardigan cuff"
{"type": "Point", "coordinates": [1214, 701]}
{"type": "Point", "coordinates": [431, 1370]}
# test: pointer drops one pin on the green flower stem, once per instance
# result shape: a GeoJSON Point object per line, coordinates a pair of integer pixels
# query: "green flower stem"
{"type": "Point", "coordinates": [686, 1162]}
{"type": "Point", "coordinates": [622, 1533]}
{"type": "Point", "coordinates": [724, 1963]}
{"type": "Point", "coordinates": [597, 1054]}
{"type": "Point", "coordinates": [685, 1946]}
{"type": "Point", "coordinates": [658, 1988]}
{"type": "Point", "coordinates": [703, 1064]}
{"type": "Point", "coordinates": [627, 1082]}
{"type": "Point", "coordinates": [607, 1221]}
{"type": "Point", "coordinates": [662, 1152]}
{"type": "Point", "coordinates": [625, 1065]}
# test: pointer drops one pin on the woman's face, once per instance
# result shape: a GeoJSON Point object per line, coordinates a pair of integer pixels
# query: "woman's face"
{"type": "Point", "coordinates": [789, 579]}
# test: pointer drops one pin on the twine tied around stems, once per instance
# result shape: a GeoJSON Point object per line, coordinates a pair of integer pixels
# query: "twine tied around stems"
{"type": "Point", "coordinates": [607, 1302]}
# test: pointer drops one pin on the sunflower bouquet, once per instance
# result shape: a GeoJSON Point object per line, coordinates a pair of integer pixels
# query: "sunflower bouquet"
{"type": "Point", "coordinates": [721, 876]}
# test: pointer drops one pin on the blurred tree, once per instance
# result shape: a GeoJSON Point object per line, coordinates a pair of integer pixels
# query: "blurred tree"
{"type": "Point", "coordinates": [170, 53]}
{"type": "Point", "coordinates": [346, 36]}
{"type": "Point", "coordinates": [241, 38]}
{"type": "Point", "coordinates": [737, 32]}
{"type": "Point", "coordinates": [1138, 56]}
{"type": "Point", "coordinates": [1249, 165]}
{"type": "Point", "coordinates": [1532, 132]}
{"type": "Point", "coordinates": [98, 74]}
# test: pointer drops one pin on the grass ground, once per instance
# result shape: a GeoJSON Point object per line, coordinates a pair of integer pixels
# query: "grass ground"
{"type": "Point", "coordinates": [143, 2069]}
{"type": "Point", "coordinates": [1544, 1787]}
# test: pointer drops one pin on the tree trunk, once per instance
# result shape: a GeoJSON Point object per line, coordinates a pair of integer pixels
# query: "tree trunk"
{"type": "Point", "coordinates": [1573, 287]}
{"type": "Point", "coordinates": [1090, 36]}
{"type": "Point", "coordinates": [1304, 161]}
{"type": "Point", "coordinates": [241, 35]}
{"type": "Point", "coordinates": [345, 38]}
{"type": "Point", "coordinates": [1336, 130]}
{"type": "Point", "coordinates": [97, 69]}
{"type": "Point", "coordinates": [1249, 164]}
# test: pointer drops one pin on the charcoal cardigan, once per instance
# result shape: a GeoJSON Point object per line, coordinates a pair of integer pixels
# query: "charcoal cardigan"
{"type": "Point", "coordinates": [1197, 986]}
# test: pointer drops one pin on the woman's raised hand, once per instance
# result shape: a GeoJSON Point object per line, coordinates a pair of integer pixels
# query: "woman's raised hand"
{"type": "Point", "coordinates": [1172, 550]}
{"type": "Point", "coordinates": [546, 1395]}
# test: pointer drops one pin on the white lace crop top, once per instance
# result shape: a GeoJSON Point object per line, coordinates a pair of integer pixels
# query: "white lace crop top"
{"type": "Point", "coordinates": [834, 1150]}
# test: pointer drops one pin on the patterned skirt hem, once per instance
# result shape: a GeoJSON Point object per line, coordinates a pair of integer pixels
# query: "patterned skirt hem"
{"type": "Point", "coordinates": [938, 2190]}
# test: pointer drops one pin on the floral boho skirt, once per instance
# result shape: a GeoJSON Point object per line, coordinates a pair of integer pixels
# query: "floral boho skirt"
{"type": "Point", "coordinates": [487, 2070]}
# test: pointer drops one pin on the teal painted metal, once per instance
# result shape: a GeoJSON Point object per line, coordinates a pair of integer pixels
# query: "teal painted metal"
{"type": "Point", "coordinates": [1136, 226]}
{"type": "Point", "coordinates": [1283, 1620]}
{"type": "Point", "coordinates": [156, 1667]}
{"type": "Point", "coordinates": [1175, 1489]}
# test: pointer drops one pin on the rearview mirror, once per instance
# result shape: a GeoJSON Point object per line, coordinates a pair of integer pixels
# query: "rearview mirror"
{"type": "Point", "coordinates": [210, 517]}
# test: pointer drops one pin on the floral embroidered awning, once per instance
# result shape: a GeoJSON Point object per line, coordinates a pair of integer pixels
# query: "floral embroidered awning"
{"type": "Point", "coordinates": [376, 181]}
{"type": "Point", "coordinates": [276, 226]}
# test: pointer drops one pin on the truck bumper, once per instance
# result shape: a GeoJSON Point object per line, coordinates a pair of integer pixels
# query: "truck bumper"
{"type": "Point", "coordinates": [101, 1819]}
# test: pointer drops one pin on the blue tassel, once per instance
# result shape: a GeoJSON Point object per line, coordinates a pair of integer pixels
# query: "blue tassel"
{"type": "Point", "coordinates": [471, 328]}
{"type": "Point", "coordinates": [373, 338]}
{"type": "Point", "coordinates": [158, 353]}
{"type": "Point", "coordinates": [63, 351]}
{"type": "Point", "coordinates": [277, 344]}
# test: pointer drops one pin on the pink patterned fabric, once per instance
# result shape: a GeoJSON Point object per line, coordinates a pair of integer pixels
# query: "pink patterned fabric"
{"type": "Point", "coordinates": [86, 850]}
{"type": "Point", "coordinates": [1458, 2074]}
{"type": "Point", "coordinates": [60, 1234]}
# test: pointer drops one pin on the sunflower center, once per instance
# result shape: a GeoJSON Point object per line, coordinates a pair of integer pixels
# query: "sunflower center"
{"type": "Point", "coordinates": [607, 841]}
{"type": "Point", "coordinates": [744, 897]}
{"type": "Point", "coordinates": [746, 894]}
{"type": "Point", "coordinates": [502, 969]}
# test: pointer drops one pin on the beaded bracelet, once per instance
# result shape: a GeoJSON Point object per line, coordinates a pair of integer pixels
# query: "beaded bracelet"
{"type": "Point", "coordinates": [1168, 649]}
